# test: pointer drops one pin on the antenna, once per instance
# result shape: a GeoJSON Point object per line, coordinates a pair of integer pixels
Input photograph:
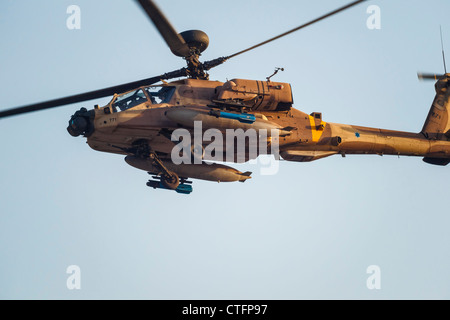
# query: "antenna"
{"type": "Point", "coordinates": [276, 71]}
{"type": "Point", "coordinates": [442, 46]}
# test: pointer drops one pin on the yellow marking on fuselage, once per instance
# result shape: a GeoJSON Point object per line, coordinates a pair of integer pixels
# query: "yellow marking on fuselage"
{"type": "Point", "coordinates": [316, 131]}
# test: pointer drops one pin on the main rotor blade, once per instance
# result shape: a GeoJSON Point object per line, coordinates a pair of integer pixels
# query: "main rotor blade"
{"type": "Point", "coordinates": [354, 3]}
{"type": "Point", "coordinates": [81, 97]}
{"type": "Point", "coordinates": [430, 76]}
{"type": "Point", "coordinates": [175, 42]}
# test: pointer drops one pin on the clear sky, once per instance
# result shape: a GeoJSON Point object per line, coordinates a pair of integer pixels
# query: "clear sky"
{"type": "Point", "coordinates": [310, 231]}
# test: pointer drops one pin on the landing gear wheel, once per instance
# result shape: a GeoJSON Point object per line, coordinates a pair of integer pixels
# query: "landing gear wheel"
{"type": "Point", "coordinates": [171, 181]}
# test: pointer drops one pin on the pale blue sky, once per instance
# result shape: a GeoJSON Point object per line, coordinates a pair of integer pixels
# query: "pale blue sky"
{"type": "Point", "coordinates": [308, 232]}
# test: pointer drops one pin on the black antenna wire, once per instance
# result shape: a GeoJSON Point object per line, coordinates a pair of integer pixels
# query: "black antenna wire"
{"type": "Point", "coordinates": [442, 46]}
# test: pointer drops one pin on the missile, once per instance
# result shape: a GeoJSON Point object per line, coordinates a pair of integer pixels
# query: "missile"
{"type": "Point", "coordinates": [182, 188]}
{"type": "Point", "coordinates": [204, 171]}
{"type": "Point", "coordinates": [241, 117]}
{"type": "Point", "coordinates": [222, 120]}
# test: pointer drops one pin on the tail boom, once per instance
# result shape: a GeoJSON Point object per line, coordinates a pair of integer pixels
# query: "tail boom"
{"type": "Point", "coordinates": [349, 139]}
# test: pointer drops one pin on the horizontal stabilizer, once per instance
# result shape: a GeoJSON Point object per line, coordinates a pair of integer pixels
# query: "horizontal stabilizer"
{"type": "Point", "coordinates": [437, 161]}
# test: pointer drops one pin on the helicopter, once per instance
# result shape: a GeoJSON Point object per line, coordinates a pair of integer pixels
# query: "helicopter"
{"type": "Point", "coordinates": [142, 119]}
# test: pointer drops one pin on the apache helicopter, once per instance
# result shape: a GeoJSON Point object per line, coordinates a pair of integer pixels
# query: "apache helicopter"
{"type": "Point", "coordinates": [142, 117]}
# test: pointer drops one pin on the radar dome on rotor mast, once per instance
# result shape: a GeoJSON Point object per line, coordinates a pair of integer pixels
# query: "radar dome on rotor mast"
{"type": "Point", "coordinates": [196, 40]}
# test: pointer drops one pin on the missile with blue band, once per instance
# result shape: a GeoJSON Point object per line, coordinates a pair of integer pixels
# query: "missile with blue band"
{"type": "Point", "coordinates": [182, 188]}
{"type": "Point", "coordinates": [241, 117]}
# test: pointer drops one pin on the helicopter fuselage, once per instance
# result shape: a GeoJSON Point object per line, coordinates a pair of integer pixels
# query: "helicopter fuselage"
{"type": "Point", "coordinates": [301, 137]}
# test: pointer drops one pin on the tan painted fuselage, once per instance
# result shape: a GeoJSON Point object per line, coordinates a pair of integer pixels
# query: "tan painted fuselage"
{"type": "Point", "coordinates": [303, 137]}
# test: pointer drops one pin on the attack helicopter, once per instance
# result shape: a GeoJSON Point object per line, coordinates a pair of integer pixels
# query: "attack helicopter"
{"type": "Point", "coordinates": [143, 118]}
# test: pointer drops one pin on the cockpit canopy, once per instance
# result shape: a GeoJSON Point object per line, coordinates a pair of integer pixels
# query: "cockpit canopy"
{"type": "Point", "coordinates": [153, 94]}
